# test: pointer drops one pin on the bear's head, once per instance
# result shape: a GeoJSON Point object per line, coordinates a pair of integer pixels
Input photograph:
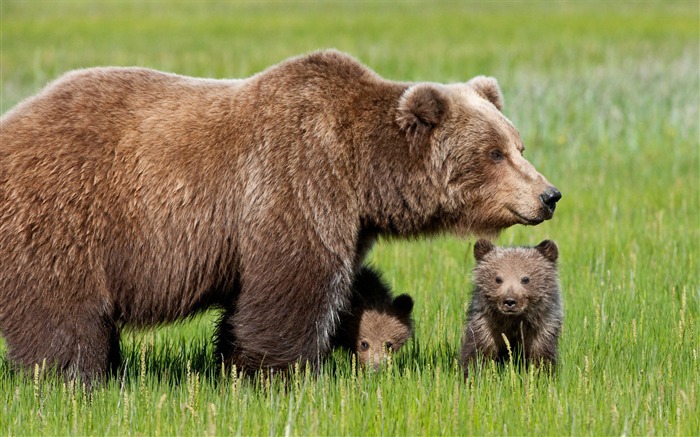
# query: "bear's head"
{"type": "Point", "coordinates": [383, 331]}
{"type": "Point", "coordinates": [516, 280]}
{"type": "Point", "coordinates": [475, 157]}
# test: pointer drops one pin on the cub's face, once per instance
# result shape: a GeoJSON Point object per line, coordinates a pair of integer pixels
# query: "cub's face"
{"type": "Point", "coordinates": [383, 332]}
{"type": "Point", "coordinates": [516, 280]}
{"type": "Point", "coordinates": [380, 335]}
{"type": "Point", "coordinates": [478, 157]}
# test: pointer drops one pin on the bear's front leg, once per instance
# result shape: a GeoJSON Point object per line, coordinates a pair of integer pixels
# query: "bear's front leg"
{"type": "Point", "coordinates": [542, 350]}
{"type": "Point", "coordinates": [478, 345]}
{"type": "Point", "coordinates": [287, 313]}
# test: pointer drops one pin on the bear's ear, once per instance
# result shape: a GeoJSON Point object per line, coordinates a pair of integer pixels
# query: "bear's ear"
{"type": "Point", "coordinates": [421, 108]}
{"type": "Point", "coordinates": [481, 248]}
{"type": "Point", "coordinates": [487, 87]}
{"type": "Point", "coordinates": [403, 305]}
{"type": "Point", "coordinates": [549, 250]}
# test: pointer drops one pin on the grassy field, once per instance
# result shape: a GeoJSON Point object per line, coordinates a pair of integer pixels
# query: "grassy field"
{"type": "Point", "coordinates": [605, 95]}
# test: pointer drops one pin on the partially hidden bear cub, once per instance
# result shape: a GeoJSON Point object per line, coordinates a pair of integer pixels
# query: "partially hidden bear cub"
{"type": "Point", "coordinates": [377, 324]}
{"type": "Point", "coordinates": [516, 295]}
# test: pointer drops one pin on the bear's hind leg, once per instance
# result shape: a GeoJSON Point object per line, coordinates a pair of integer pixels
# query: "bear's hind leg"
{"type": "Point", "coordinates": [95, 352]}
{"type": "Point", "coordinates": [82, 346]}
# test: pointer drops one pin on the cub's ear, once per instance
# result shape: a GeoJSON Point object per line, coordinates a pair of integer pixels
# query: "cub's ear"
{"type": "Point", "coordinates": [481, 248]}
{"type": "Point", "coordinates": [549, 250]}
{"type": "Point", "coordinates": [403, 305]}
{"type": "Point", "coordinates": [421, 108]}
{"type": "Point", "coordinates": [487, 87]}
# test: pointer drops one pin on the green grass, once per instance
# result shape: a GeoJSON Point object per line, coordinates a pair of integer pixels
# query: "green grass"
{"type": "Point", "coordinates": [606, 98]}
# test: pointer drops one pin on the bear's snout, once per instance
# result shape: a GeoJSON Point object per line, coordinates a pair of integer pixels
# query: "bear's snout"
{"type": "Point", "coordinates": [549, 200]}
{"type": "Point", "coordinates": [509, 303]}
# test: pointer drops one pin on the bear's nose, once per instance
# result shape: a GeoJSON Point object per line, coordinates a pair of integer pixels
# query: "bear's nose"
{"type": "Point", "coordinates": [550, 198]}
{"type": "Point", "coordinates": [509, 302]}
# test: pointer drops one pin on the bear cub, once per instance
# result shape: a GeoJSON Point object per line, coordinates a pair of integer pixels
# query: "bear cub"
{"type": "Point", "coordinates": [516, 295]}
{"type": "Point", "coordinates": [376, 324]}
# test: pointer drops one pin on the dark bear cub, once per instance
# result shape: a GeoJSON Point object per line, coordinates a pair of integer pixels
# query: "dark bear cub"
{"type": "Point", "coordinates": [516, 296]}
{"type": "Point", "coordinates": [376, 324]}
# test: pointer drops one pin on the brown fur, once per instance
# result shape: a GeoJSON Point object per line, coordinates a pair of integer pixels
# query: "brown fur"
{"type": "Point", "coordinates": [131, 196]}
{"type": "Point", "coordinates": [376, 324]}
{"type": "Point", "coordinates": [516, 294]}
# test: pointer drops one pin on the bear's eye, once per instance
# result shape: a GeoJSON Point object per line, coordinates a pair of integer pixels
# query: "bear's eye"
{"type": "Point", "coordinates": [364, 345]}
{"type": "Point", "coordinates": [496, 155]}
{"type": "Point", "coordinates": [388, 345]}
{"type": "Point", "coordinates": [524, 280]}
{"type": "Point", "coordinates": [499, 280]}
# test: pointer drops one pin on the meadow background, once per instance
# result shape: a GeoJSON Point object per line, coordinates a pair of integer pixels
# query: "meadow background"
{"type": "Point", "coordinates": [606, 97]}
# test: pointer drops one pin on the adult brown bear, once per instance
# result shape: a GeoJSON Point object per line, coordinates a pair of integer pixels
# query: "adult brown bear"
{"type": "Point", "coordinates": [131, 196]}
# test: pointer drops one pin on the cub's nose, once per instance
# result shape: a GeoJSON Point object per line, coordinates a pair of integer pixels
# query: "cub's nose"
{"type": "Point", "coordinates": [550, 198]}
{"type": "Point", "coordinates": [509, 302]}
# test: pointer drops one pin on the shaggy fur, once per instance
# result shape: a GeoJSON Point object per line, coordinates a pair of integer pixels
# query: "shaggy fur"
{"type": "Point", "coordinates": [131, 196]}
{"type": "Point", "coordinates": [516, 294]}
{"type": "Point", "coordinates": [376, 324]}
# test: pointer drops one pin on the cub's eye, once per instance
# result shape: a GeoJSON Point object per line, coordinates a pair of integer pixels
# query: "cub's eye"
{"type": "Point", "coordinates": [389, 345]}
{"type": "Point", "coordinates": [496, 155]}
{"type": "Point", "coordinates": [524, 280]}
{"type": "Point", "coordinates": [499, 280]}
{"type": "Point", "coordinates": [364, 345]}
